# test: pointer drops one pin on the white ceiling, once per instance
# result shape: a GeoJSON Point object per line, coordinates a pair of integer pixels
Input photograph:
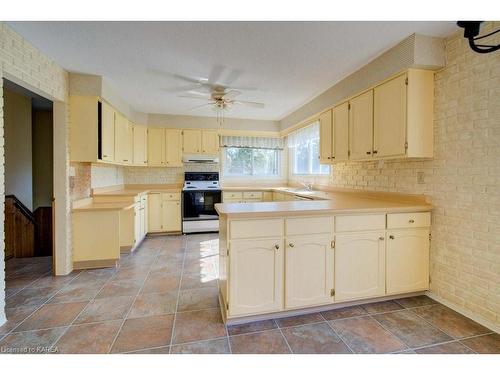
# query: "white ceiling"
{"type": "Point", "coordinates": [289, 62]}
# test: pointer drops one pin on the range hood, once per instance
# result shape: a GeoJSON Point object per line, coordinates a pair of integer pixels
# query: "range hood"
{"type": "Point", "coordinates": [200, 159]}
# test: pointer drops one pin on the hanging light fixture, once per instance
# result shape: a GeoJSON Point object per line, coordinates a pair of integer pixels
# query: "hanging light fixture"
{"type": "Point", "coordinates": [471, 32]}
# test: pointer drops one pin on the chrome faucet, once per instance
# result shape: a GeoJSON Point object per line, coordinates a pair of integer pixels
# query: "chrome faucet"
{"type": "Point", "coordinates": [307, 185]}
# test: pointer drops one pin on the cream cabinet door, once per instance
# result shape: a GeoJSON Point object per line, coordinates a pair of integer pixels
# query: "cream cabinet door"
{"type": "Point", "coordinates": [256, 282]}
{"type": "Point", "coordinates": [124, 140]}
{"type": "Point", "coordinates": [140, 145]}
{"type": "Point", "coordinates": [309, 270]}
{"type": "Point", "coordinates": [173, 148]}
{"type": "Point", "coordinates": [325, 137]}
{"type": "Point", "coordinates": [191, 141]}
{"type": "Point", "coordinates": [209, 142]}
{"type": "Point", "coordinates": [341, 132]}
{"type": "Point", "coordinates": [389, 118]}
{"type": "Point", "coordinates": [155, 212]}
{"type": "Point", "coordinates": [359, 265]}
{"type": "Point", "coordinates": [107, 132]}
{"type": "Point", "coordinates": [138, 222]}
{"type": "Point", "coordinates": [171, 216]}
{"type": "Point", "coordinates": [407, 260]}
{"type": "Point", "coordinates": [156, 147]}
{"type": "Point", "coordinates": [144, 208]}
{"type": "Point", "coordinates": [361, 126]}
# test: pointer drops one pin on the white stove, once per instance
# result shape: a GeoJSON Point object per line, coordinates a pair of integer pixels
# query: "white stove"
{"type": "Point", "coordinates": [200, 194]}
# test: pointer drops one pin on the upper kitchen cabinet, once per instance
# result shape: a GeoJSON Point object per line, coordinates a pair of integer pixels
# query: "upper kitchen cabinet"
{"type": "Point", "coordinates": [210, 142]}
{"type": "Point", "coordinates": [92, 130]}
{"type": "Point", "coordinates": [191, 141]}
{"type": "Point", "coordinates": [394, 119]}
{"type": "Point", "coordinates": [361, 126]}
{"type": "Point", "coordinates": [340, 142]}
{"type": "Point", "coordinates": [156, 147]}
{"type": "Point", "coordinates": [326, 137]}
{"type": "Point", "coordinates": [196, 141]}
{"type": "Point", "coordinates": [140, 145]}
{"type": "Point", "coordinates": [124, 140]}
{"type": "Point", "coordinates": [173, 147]}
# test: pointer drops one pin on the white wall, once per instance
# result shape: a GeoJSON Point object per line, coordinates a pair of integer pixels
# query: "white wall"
{"type": "Point", "coordinates": [18, 150]}
{"type": "Point", "coordinates": [23, 64]}
{"type": "Point", "coordinates": [178, 121]}
{"type": "Point", "coordinates": [42, 145]}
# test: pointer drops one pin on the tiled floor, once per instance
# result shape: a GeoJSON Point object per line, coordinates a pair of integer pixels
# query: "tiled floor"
{"type": "Point", "coordinates": [163, 299]}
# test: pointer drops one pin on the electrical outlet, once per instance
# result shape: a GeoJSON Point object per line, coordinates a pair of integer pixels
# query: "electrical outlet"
{"type": "Point", "coordinates": [420, 178]}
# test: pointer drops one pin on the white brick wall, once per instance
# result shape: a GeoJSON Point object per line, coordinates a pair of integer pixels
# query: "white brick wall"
{"type": "Point", "coordinates": [25, 65]}
{"type": "Point", "coordinates": [462, 181]}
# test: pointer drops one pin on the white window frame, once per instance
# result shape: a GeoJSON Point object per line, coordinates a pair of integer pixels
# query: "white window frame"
{"type": "Point", "coordinates": [276, 176]}
{"type": "Point", "coordinates": [293, 161]}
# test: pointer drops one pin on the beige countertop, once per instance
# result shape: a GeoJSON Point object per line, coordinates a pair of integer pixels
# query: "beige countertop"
{"type": "Point", "coordinates": [101, 206]}
{"type": "Point", "coordinates": [133, 190]}
{"type": "Point", "coordinates": [332, 202]}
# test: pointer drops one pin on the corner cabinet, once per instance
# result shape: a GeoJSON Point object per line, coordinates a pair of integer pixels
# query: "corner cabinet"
{"type": "Point", "coordinates": [256, 281]}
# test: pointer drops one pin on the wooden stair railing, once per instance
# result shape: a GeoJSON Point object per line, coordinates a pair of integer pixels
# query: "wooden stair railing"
{"type": "Point", "coordinates": [27, 234]}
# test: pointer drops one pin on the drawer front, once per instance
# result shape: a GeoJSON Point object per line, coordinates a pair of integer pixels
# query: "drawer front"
{"type": "Point", "coordinates": [255, 228]}
{"type": "Point", "coordinates": [309, 225]}
{"type": "Point", "coordinates": [409, 220]}
{"type": "Point", "coordinates": [359, 222]}
{"type": "Point", "coordinates": [227, 195]}
{"type": "Point", "coordinates": [252, 195]}
{"type": "Point", "coordinates": [171, 196]}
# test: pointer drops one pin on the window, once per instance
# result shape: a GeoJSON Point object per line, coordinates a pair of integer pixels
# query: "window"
{"type": "Point", "coordinates": [303, 145]}
{"type": "Point", "coordinates": [246, 161]}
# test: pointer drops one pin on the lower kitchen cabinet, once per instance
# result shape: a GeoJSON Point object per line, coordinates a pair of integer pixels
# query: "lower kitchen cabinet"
{"type": "Point", "coordinates": [359, 265]}
{"type": "Point", "coordinates": [309, 266]}
{"type": "Point", "coordinates": [171, 216]}
{"type": "Point", "coordinates": [155, 215]}
{"type": "Point", "coordinates": [164, 212]}
{"type": "Point", "coordinates": [256, 283]}
{"type": "Point", "coordinates": [407, 260]}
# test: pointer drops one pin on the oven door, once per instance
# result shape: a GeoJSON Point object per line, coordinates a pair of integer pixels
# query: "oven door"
{"type": "Point", "coordinates": [200, 205]}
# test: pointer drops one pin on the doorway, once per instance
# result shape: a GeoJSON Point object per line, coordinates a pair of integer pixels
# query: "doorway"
{"type": "Point", "coordinates": [28, 137]}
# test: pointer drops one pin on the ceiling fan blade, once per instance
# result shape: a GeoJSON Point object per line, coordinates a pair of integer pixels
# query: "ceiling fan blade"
{"type": "Point", "coordinates": [231, 94]}
{"type": "Point", "coordinates": [200, 106]}
{"type": "Point", "coordinates": [233, 76]}
{"type": "Point", "coordinates": [199, 97]}
{"type": "Point", "coordinates": [191, 87]}
{"type": "Point", "coordinates": [250, 104]}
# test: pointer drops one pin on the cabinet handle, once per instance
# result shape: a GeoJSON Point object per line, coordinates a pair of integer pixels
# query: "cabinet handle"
{"type": "Point", "coordinates": [277, 247]}
{"type": "Point", "coordinates": [333, 157]}
{"type": "Point", "coordinates": [411, 221]}
{"type": "Point", "coordinates": [375, 151]}
{"type": "Point", "coordinates": [291, 244]}
{"type": "Point", "coordinates": [368, 152]}
{"type": "Point", "coordinates": [391, 237]}
{"type": "Point", "coordinates": [125, 159]}
{"type": "Point", "coordinates": [104, 156]}
{"type": "Point", "coordinates": [381, 238]}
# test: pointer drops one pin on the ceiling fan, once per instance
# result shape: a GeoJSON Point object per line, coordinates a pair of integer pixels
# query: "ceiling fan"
{"type": "Point", "coordinates": [221, 97]}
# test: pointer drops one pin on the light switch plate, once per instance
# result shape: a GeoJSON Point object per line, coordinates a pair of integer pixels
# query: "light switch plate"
{"type": "Point", "coordinates": [72, 172]}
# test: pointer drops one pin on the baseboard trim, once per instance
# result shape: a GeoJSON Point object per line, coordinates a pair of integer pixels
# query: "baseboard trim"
{"type": "Point", "coordinates": [308, 310]}
{"type": "Point", "coordinates": [89, 264]}
{"type": "Point", "coordinates": [461, 310]}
